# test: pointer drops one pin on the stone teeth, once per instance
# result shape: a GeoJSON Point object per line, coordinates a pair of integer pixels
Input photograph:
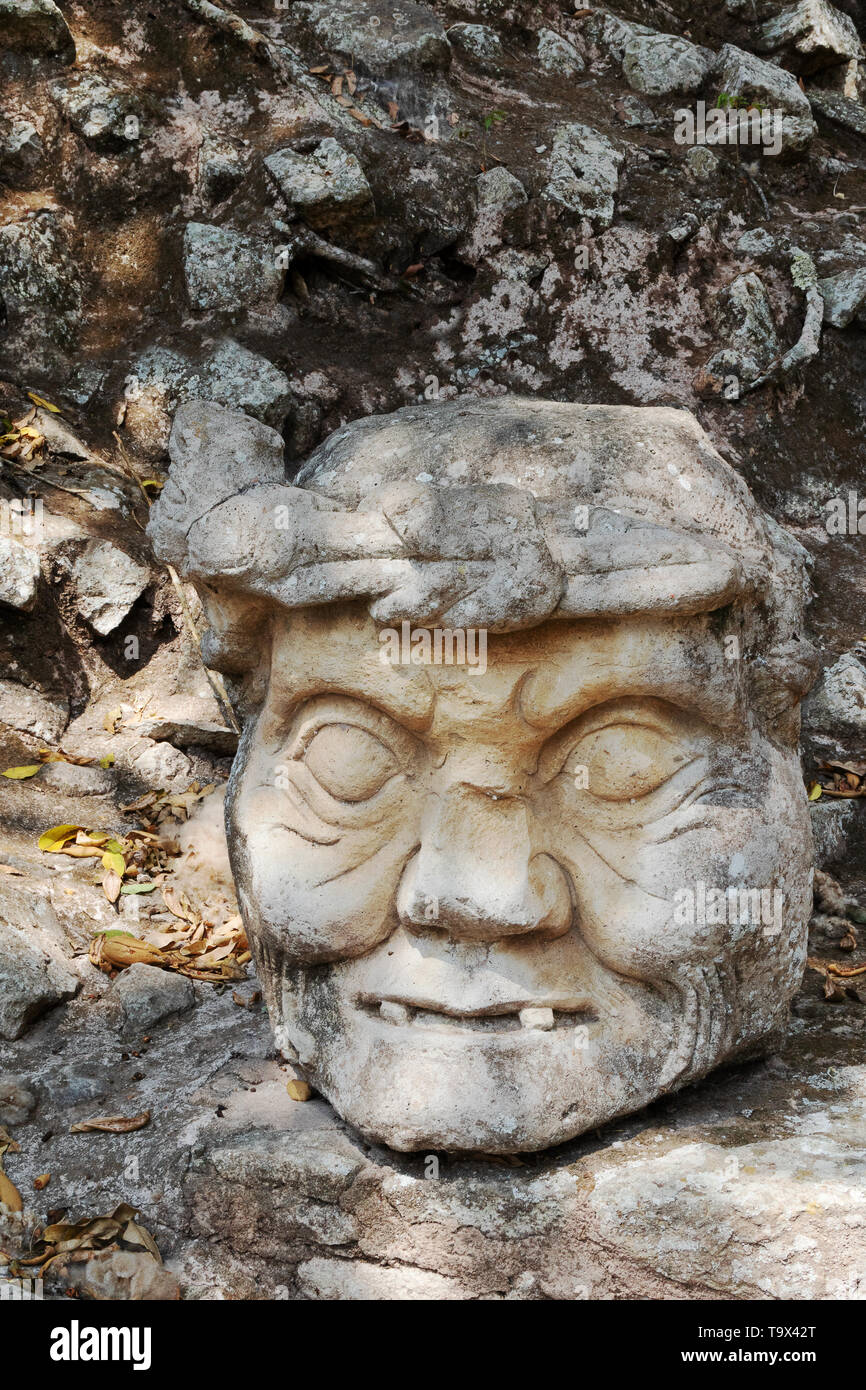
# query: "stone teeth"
{"type": "Point", "coordinates": [395, 1013]}
{"type": "Point", "coordinates": [536, 1018]}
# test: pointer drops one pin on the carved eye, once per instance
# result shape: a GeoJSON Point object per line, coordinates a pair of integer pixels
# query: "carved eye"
{"type": "Point", "coordinates": [625, 761]}
{"type": "Point", "coordinates": [349, 762]}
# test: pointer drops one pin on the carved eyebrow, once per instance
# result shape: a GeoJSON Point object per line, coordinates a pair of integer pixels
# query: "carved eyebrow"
{"type": "Point", "coordinates": [716, 702]}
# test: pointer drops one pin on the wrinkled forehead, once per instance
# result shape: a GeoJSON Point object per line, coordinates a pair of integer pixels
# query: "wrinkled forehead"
{"type": "Point", "coordinates": [536, 679]}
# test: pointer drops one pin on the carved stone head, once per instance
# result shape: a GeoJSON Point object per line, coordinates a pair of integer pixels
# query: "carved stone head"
{"type": "Point", "coordinates": [503, 891]}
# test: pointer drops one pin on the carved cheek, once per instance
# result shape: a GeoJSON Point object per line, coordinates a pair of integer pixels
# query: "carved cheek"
{"type": "Point", "coordinates": [319, 891]}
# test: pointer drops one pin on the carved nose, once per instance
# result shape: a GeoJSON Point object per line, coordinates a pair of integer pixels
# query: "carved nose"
{"type": "Point", "coordinates": [477, 876]}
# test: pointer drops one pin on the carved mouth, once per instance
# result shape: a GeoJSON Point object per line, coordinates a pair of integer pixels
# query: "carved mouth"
{"type": "Point", "coordinates": [518, 1017]}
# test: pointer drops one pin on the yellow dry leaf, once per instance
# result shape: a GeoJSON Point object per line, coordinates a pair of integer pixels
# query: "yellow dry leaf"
{"type": "Point", "coordinates": [19, 773]}
{"type": "Point", "coordinates": [112, 719]}
{"type": "Point", "coordinates": [51, 840]}
{"type": "Point", "coordinates": [9, 1194]}
{"type": "Point", "coordinates": [113, 861]}
{"type": "Point", "coordinates": [46, 405]}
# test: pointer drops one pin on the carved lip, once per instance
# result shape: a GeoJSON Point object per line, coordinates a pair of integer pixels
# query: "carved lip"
{"type": "Point", "coordinates": [500, 1017]}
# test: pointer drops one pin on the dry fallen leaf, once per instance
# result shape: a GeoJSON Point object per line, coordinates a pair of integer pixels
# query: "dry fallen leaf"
{"type": "Point", "coordinates": [9, 1195]}
{"type": "Point", "coordinates": [42, 1181]}
{"type": "Point", "coordinates": [111, 885]}
{"type": "Point", "coordinates": [111, 1124]}
{"type": "Point", "coordinates": [112, 719]}
{"type": "Point", "coordinates": [17, 774]}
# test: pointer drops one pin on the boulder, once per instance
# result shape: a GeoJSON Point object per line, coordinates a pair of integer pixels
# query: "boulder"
{"type": "Point", "coordinates": [744, 319]}
{"type": "Point", "coordinates": [326, 187]}
{"type": "Point", "coordinates": [844, 297]}
{"type": "Point", "coordinates": [661, 64]}
{"type": "Point", "coordinates": [104, 113]}
{"type": "Point", "coordinates": [477, 42]}
{"type": "Point", "coordinates": [107, 583]}
{"type": "Point", "coordinates": [40, 287]}
{"type": "Point", "coordinates": [35, 26]}
{"type": "Point", "coordinates": [383, 38]}
{"type": "Point", "coordinates": [739, 74]}
{"type": "Point", "coordinates": [811, 35]}
{"type": "Point", "coordinates": [34, 976]}
{"type": "Point", "coordinates": [583, 174]}
{"type": "Point", "coordinates": [31, 712]}
{"type": "Point", "coordinates": [557, 56]}
{"type": "Point", "coordinates": [19, 573]}
{"type": "Point", "coordinates": [226, 270]}
{"type": "Point", "coordinates": [146, 995]}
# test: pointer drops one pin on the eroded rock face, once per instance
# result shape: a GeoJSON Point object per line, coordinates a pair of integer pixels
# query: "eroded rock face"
{"type": "Point", "coordinates": [500, 893]}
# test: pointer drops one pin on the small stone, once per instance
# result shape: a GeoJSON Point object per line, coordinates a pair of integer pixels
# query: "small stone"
{"type": "Point", "coordinates": [35, 26]}
{"type": "Point", "coordinates": [31, 712]}
{"type": "Point", "coordinates": [21, 147]}
{"type": "Point", "coordinates": [662, 64]}
{"type": "Point", "coordinates": [19, 574]}
{"type": "Point", "coordinates": [147, 995]}
{"type": "Point", "coordinates": [220, 169]}
{"type": "Point", "coordinates": [162, 766]}
{"type": "Point", "coordinates": [757, 243]}
{"type": "Point", "coordinates": [393, 1012]}
{"type": "Point", "coordinates": [17, 1103]}
{"type": "Point", "coordinates": [702, 163]}
{"type": "Point", "coordinates": [227, 270]}
{"type": "Point", "coordinates": [557, 56]}
{"type": "Point", "coordinates": [537, 1018]}
{"type": "Point", "coordinates": [326, 187]}
{"type": "Point", "coordinates": [107, 583]}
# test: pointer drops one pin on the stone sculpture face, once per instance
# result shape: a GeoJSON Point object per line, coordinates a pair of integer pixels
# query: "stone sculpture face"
{"type": "Point", "coordinates": [496, 904]}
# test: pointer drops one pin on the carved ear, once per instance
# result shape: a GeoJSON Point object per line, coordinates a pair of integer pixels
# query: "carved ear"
{"type": "Point", "coordinates": [782, 676]}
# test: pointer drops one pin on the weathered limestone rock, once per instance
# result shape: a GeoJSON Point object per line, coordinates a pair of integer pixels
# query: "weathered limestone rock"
{"type": "Point", "coordinates": [35, 26]}
{"type": "Point", "coordinates": [34, 976]}
{"type": "Point", "coordinates": [837, 705]}
{"type": "Point", "coordinates": [40, 286]}
{"type": "Point", "coordinates": [813, 34]}
{"type": "Point", "coordinates": [556, 55]}
{"type": "Point", "coordinates": [610, 35]}
{"type": "Point", "coordinates": [382, 38]}
{"type": "Point", "coordinates": [107, 583]}
{"type": "Point", "coordinates": [499, 193]}
{"type": "Point", "coordinates": [477, 41]}
{"type": "Point", "coordinates": [147, 994]}
{"type": "Point", "coordinates": [326, 187]}
{"type": "Point", "coordinates": [105, 114]}
{"type": "Point", "coordinates": [437, 1004]}
{"type": "Point", "coordinates": [226, 270]}
{"type": "Point", "coordinates": [19, 573]}
{"type": "Point", "coordinates": [31, 712]}
{"type": "Point", "coordinates": [744, 320]}
{"type": "Point", "coordinates": [740, 74]}
{"type": "Point", "coordinates": [844, 297]}
{"type": "Point", "coordinates": [583, 174]}
{"type": "Point", "coordinates": [660, 64]}
{"type": "Point", "coordinates": [841, 109]}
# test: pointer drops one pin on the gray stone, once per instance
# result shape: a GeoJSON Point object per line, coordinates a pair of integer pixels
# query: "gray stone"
{"type": "Point", "coordinates": [35, 26]}
{"type": "Point", "coordinates": [743, 317]}
{"type": "Point", "coordinates": [226, 270]}
{"type": "Point", "coordinates": [740, 74]}
{"type": "Point", "coordinates": [843, 110]}
{"type": "Point", "coordinates": [837, 705]}
{"type": "Point", "coordinates": [104, 113]}
{"type": "Point", "coordinates": [476, 41]}
{"type": "Point", "coordinates": [40, 287]}
{"type": "Point", "coordinates": [557, 56]}
{"type": "Point", "coordinates": [190, 733]}
{"type": "Point", "coordinates": [19, 573]}
{"type": "Point", "coordinates": [844, 297]}
{"type": "Point", "coordinates": [17, 1102]}
{"type": "Point", "coordinates": [610, 35]}
{"type": "Point", "coordinates": [382, 37]}
{"type": "Point", "coordinates": [361, 1281]}
{"type": "Point", "coordinates": [326, 187]}
{"type": "Point", "coordinates": [812, 35]}
{"type": "Point", "coordinates": [70, 779]}
{"type": "Point", "coordinates": [583, 174]}
{"type": "Point", "coordinates": [21, 148]}
{"type": "Point", "coordinates": [662, 64]}
{"type": "Point", "coordinates": [499, 193]}
{"type": "Point", "coordinates": [146, 995]}
{"type": "Point", "coordinates": [757, 243]}
{"type": "Point", "coordinates": [33, 976]}
{"type": "Point", "coordinates": [107, 583]}
{"type": "Point", "coordinates": [120, 1276]}
{"type": "Point", "coordinates": [162, 378]}
{"type": "Point", "coordinates": [162, 766]}
{"type": "Point", "coordinates": [30, 712]}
